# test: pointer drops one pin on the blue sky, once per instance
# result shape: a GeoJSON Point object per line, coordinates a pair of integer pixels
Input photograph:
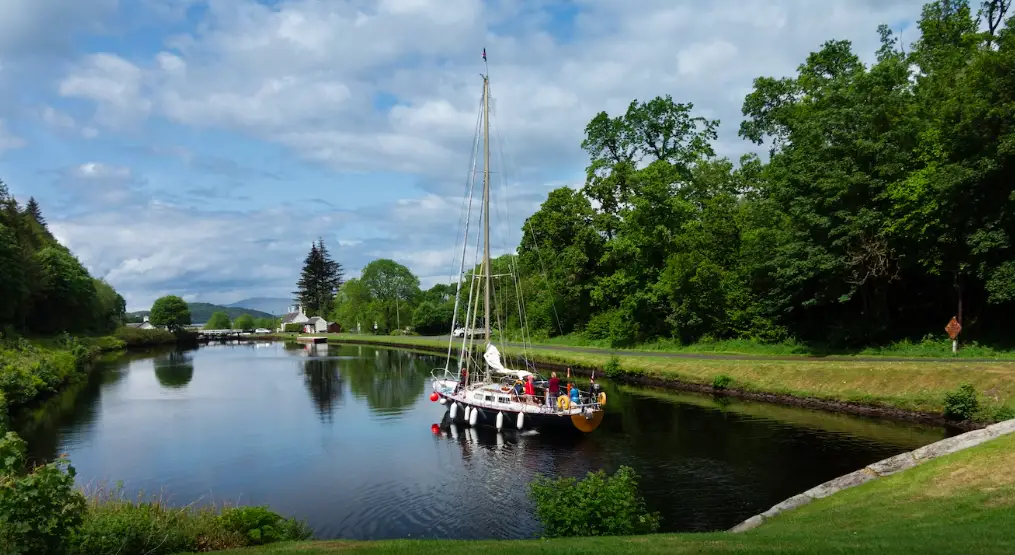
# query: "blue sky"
{"type": "Point", "coordinates": [197, 147]}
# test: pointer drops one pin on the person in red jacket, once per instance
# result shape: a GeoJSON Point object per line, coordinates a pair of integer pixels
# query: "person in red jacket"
{"type": "Point", "coordinates": [530, 390]}
{"type": "Point", "coordinates": [553, 388]}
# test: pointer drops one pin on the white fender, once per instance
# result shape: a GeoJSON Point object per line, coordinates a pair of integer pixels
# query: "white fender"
{"type": "Point", "coordinates": [473, 417]}
{"type": "Point", "coordinates": [454, 410]}
{"type": "Point", "coordinates": [442, 400]}
{"type": "Point", "coordinates": [521, 420]}
{"type": "Point", "coordinates": [500, 420]}
{"type": "Point", "coordinates": [468, 411]}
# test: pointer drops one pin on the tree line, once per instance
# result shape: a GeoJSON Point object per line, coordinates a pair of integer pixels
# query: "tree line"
{"type": "Point", "coordinates": [44, 289]}
{"type": "Point", "coordinates": [884, 208]}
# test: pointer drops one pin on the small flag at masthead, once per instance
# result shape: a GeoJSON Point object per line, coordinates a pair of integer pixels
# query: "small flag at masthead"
{"type": "Point", "coordinates": [484, 54]}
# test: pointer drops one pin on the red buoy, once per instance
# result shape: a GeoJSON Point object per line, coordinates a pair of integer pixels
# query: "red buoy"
{"type": "Point", "coordinates": [435, 428]}
{"type": "Point", "coordinates": [434, 396]}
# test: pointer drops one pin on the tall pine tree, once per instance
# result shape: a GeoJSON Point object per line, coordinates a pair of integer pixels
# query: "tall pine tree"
{"type": "Point", "coordinates": [33, 210]}
{"type": "Point", "coordinates": [319, 281]}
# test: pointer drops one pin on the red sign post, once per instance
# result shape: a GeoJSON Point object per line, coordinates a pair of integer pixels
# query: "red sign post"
{"type": "Point", "coordinates": [953, 328]}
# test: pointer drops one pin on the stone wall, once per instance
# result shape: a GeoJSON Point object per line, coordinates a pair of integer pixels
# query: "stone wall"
{"type": "Point", "coordinates": [882, 468]}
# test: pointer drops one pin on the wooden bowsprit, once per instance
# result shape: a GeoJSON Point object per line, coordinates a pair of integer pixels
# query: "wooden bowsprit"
{"type": "Point", "coordinates": [954, 328]}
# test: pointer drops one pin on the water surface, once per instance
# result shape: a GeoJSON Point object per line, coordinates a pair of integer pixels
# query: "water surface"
{"type": "Point", "coordinates": [341, 437]}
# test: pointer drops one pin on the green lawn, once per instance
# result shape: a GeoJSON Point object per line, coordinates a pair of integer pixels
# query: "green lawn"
{"type": "Point", "coordinates": [912, 385]}
{"type": "Point", "coordinates": [963, 503]}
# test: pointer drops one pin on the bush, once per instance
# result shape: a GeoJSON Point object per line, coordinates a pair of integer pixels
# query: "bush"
{"type": "Point", "coordinates": [39, 510]}
{"type": "Point", "coordinates": [136, 337]}
{"type": "Point", "coordinates": [260, 525]}
{"type": "Point", "coordinates": [721, 382]}
{"type": "Point", "coordinates": [961, 404]}
{"type": "Point", "coordinates": [598, 505]}
{"type": "Point", "coordinates": [116, 525]}
{"type": "Point", "coordinates": [293, 328]}
{"type": "Point", "coordinates": [612, 368]}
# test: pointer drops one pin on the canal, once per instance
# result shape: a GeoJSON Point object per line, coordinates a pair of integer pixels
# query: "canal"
{"type": "Point", "coordinates": [341, 437]}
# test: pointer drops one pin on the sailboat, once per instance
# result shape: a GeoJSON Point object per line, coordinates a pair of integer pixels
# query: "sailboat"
{"type": "Point", "coordinates": [484, 392]}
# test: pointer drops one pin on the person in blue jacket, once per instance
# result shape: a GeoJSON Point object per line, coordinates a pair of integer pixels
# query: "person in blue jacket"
{"type": "Point", "coordinates": [575, 397]}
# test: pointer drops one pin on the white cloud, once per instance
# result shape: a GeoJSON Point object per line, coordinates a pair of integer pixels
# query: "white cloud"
{"type": "Point", "coordinates": [9, 141]}
{"type": "Point", "coordinates": [96, 170]}
{"type": "Point", "coordinates": [306, 74]}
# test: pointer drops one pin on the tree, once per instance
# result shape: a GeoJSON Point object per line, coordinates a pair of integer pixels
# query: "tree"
{"type": "Point", "coordinates": [33, 210]}
{"type": "Point", "coordinates": [13, 286]}
{"type": "Point", "coordinates": [218, 321]}
{"type": "Point", "coordinates": [170, 311]}
{"type": "Point", "coordinates": [65, 299]}
{"type": "Point", "coordinates": [319, 281]}
{"type": "Point", "coordinates": [393, 287]}
{"type": "Point", "coordinates": [246, 322]}
{"type": "Point", "coordinates": [110, 307]}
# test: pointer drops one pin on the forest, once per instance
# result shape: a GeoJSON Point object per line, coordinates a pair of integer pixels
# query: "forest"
{"type": "Point", "coordinates": [884, 207]}
{"type": "Point", "coordinates": [44, 289]}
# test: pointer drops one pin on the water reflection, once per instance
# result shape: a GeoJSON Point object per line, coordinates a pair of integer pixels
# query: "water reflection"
{"type": "Point", "coordinates": [391, 381]}
{"type": "Point", "coordinates": [324, 384]}
{"type": "Point", "coordinates": [257, 424]}
{"type": "Point", "coordinates": [174, 369]}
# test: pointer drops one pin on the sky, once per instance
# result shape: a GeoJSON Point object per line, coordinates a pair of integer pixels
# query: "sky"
{"type": "Point", "coordinates": [198, 147]}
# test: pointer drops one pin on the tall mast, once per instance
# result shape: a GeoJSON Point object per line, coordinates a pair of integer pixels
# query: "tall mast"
{"type": "Point", "coordinates": [486, 201]}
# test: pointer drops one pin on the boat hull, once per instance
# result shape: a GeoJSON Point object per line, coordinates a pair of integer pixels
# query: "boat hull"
{"type": "Point", "coordinates": [542, 421]}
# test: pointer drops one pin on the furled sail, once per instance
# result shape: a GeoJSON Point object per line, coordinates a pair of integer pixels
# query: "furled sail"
{"type": "Point", "coordinates": [492, 357]}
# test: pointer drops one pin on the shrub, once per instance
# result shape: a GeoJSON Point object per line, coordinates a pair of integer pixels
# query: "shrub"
{"type": "Point", "coordinates": [39, 510]}
{"type": "Point", "coordinates": [721, 382]}
{"type": "Point", "coordinates": [293, 328]}
{"type": "Point", "coordinates": [260, 525]}
{"type": "Point", "coordinates": [612, 368]}
{"type": "Point", "coordinates": [117, 525]}
{"type": "Point", "coordinates": [598, 505]}
{"type": "Point", "coordinates": [1003, 413]}
{"type": "Point", "coordinates": [961, 404]}
{"type": "Point", "coordinates": [136, 337]}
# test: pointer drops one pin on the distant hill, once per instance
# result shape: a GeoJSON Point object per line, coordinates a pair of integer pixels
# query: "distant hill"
{"type": "Point", "coordinates": [201, 312]}
{"type": "Point", "coordinates": [271, 305]}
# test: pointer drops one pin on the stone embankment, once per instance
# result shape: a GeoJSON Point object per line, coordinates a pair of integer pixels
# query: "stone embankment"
{"type": "Point", "coordinates": [882, 468]}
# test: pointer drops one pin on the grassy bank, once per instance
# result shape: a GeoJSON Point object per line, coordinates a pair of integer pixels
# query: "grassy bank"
{"type": "Point", "coordinates": [911, 386]}
{"type": "Point", "coordinates": [961, 503]}
{"type": "Point", "coordinates": [36, 368]}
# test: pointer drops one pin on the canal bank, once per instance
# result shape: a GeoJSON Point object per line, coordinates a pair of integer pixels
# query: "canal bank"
{"type": "Point", "coordinates": [912, 390]}
{"type": "Point", "coordinates": [959, 503]}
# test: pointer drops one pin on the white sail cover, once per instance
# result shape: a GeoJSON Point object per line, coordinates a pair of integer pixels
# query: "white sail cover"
{"type": "Point", "coordinates": [492, 357]}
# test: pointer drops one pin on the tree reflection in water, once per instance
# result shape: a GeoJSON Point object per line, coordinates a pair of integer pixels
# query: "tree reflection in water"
{"type": "Point", "coordinates": [325, 385]}
{"type": "Point", "coordinates": [390, 380]}
{"type": "Point", "coordinates": [174, 369]}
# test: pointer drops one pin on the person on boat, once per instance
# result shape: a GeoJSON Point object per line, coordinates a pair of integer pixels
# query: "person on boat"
{"type": "Point", "coordinates": [464, 375]}
{"type": "Point", "coordinates": [519, 386]}
{"type": "Point", "coordinates": [530, 390]}
{"type": "Point", "coordinates": [575, 395]}
{"type": "Point", "coordinates": [553, 388]}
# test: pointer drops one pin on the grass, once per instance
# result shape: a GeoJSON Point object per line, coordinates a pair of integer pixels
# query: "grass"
{"type": "Point", "coordinates": [918, 386]}
{"type": "Point", "coordinates": [962, 503]}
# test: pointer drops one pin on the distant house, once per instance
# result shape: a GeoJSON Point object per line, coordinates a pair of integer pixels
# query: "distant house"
{"type": "Point", "coordinates": [144, 325]}
{"type": "Point", "coordinates": [334, 327]}
{"type": "Point", "coordinates": [316, 324]}
{"type": "Point", "coordinates": [294, 316]}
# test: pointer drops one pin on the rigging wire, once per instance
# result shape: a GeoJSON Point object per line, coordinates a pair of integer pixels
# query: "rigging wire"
{"type": "Point", "coordinates": [470, 180]}
{"type": "Point", "coordinates": [535, 245]}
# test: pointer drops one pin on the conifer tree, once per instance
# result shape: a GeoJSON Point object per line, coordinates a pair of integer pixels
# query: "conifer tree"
{"type": "Point", "coordinates": [319, 281]}
{"type": "Point", "coordinates": [33, 210]}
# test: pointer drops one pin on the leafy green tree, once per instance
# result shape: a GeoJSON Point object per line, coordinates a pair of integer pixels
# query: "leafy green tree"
{"type": "Point", "coordinates": [245, 322]}
{"type": "Point", "coordinates": [110, 307]}
{"type": "Point", "coordinates": [65, 299]}
{"type": "Point", "coordinates": [170, 311]}
{"type": "Point", "coordinates": [218, 321]}
{"type": "Point", "coordinates": [392, 288]}
{"type": "Point", "coordinates": [319, 281]}
{"type": "Point", "coordinates": [14, 289]}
